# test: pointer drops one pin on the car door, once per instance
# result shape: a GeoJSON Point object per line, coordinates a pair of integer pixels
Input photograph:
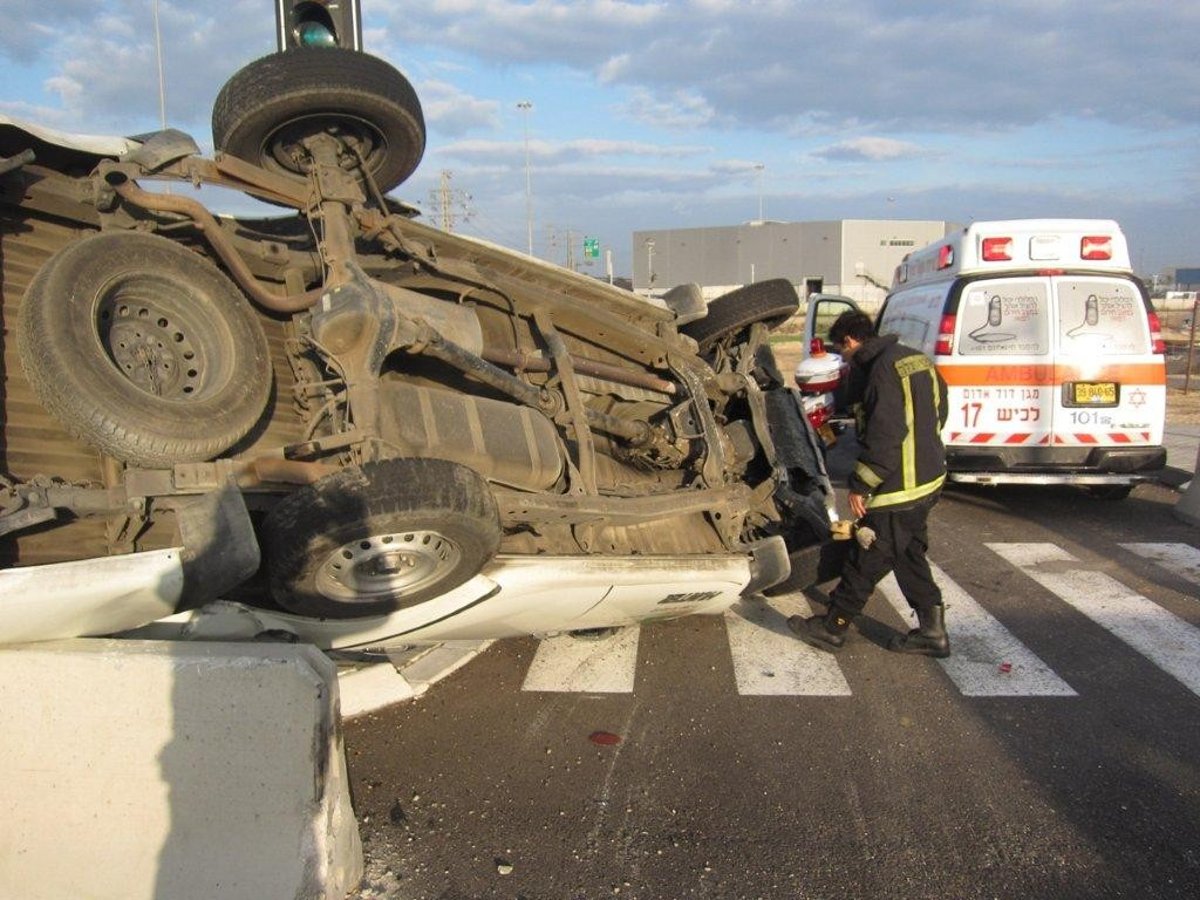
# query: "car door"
{"type": "Point", "coordinates": [822, 311]}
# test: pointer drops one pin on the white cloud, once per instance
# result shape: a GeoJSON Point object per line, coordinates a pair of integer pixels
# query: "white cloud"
{"type": "Point", "coordinates": [660, 110]}
{"type": "Point", "coordinates": [546, 152]}
{"type": "Point", "coordinates": [453, 112]}
{"type": "Point", "coordinates": [872, 149]}
{"type": "Point", "coordinates": [737, 167]}
{"type": "Point", "coordinates": [30, 26]}
{"type": "Point", "coordinates": [680, 111]}
{"type": "Point", "coordinates": [764, 63]}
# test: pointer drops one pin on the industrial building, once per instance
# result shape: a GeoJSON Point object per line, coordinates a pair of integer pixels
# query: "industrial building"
{"type": "Point", "coordinates": [854, 257]}
{"type": "Point", "coordinates": [1185, 279]}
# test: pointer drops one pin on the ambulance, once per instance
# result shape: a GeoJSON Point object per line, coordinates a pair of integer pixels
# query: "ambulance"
{"type": "Point", "coordinates": [1049, 345]}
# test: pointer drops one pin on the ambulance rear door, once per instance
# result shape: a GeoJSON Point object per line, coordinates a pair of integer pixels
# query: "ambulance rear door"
{"type": "Point", "coordinates": [1001, 372]}
{"type": "Point", "coordinates": [1111, 385]}
{"type": "Point", "coordinates": [1053, 362]}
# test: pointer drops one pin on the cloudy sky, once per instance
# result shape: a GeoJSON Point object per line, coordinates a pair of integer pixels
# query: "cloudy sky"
{"type": "Point", "coordinates": [660, 114]}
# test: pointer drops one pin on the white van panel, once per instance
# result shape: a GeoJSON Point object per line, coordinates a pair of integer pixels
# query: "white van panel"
{"type": "Point", "coordinates": [914, 316]}
{"type": "Point", "coordinates": [1024, 374]}
{"type": "Point", "coordinates": [1004, 317]}
{"type": "Point", "coordinates": [1047, 372]}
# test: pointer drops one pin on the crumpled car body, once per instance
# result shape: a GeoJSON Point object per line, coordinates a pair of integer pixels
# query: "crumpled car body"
{"type": "Point", "coordinates": [341, 416]}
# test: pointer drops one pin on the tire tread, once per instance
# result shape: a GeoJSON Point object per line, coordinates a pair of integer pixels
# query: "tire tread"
{"type": "Point", "coordinates": [773, 301]}
{"type": "Point", "coordinates": [311, 521]}
{"type": "Point", "coordinates": [96, 413]}
{"type": "Point", "coordinates": [321, 73]}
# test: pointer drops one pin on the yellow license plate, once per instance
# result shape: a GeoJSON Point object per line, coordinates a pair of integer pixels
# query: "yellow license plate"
{"type": "Point", "coordinates": [1094, 393]}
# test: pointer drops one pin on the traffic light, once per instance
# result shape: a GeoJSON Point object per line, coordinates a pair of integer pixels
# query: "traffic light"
{"type": "Point", "coordinates": [318, 23]}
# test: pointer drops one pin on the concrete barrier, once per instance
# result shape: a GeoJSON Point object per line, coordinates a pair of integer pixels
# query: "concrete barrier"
{"type": "Point", "coordinates": [152, 769]}
{"type": "Point", "coordinates": [1187, 507]}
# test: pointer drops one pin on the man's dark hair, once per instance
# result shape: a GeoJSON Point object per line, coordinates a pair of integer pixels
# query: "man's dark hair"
{"type": "Point", "coordinates": [851, 323]}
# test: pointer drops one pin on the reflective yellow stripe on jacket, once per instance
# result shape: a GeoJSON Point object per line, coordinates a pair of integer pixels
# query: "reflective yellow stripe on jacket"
{"type": "Point", "coordinates": [906, 368]}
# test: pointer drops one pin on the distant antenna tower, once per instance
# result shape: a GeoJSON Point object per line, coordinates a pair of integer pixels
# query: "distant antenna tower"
{"type": "Point", "coordinates": [448, 203]}
{"type": "Point", "coordinates": [564, 239]}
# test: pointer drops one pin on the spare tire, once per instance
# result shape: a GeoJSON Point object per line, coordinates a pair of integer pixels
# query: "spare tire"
{"type": "Point", "coordinates": [144, 349]}
{"type": "Point", "coordinates": [269, 106]}
{"type": "Point", "coordinates": [771, 302]}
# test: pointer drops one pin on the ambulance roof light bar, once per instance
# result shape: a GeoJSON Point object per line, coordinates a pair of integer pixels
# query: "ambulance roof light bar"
{"type": "Point", "coordinates": [996, 249]}
{"type": "Point", "coordinates": [1044, 246]}
{"type": "Point", "coordinates": [1096, 247]}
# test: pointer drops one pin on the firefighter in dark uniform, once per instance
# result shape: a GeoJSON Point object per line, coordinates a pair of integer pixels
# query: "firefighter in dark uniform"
{"type": "Point", "coordinates": [899, 400]}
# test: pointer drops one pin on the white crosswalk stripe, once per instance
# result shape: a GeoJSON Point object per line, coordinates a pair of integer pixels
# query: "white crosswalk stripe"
{"type": "Point", "coordinates": [986, 659]}
{"type": "Point", "coordinates": [1180, 559]}
{"type": "Point", "coordinates": [1166, 640]}
{"type": "Point", "coordinates": [604, 665]}
{"type": "Point", "coordinates": [769, 660]}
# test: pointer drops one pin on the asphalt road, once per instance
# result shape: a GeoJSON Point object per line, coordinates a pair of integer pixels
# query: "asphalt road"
{"type": "Point", "coordinates": [1055, 755]}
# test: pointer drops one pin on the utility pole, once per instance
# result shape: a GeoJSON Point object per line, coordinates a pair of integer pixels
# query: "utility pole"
{"type": "Point", "coordinates": [556, 235]}
{"type": "Point", "coordinates": [758, 169]}
{"type": "Point", "coordinates": [571, 235]}
{"type": "Point", "coordinates": [649, 265]}
{"type": "Point", "coordinates": [525, 106]}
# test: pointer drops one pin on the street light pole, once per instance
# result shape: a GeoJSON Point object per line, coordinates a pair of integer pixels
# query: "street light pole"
{"type": "Point", "coordinates": [525, 106]}
{"type": "Point", "coordinates": [758, 169]}
{"type": "Point", "coordinates": [162, 82]}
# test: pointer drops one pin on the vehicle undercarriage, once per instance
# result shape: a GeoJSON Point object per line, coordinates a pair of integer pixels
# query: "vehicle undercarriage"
{"type": "Point", "coordinates": [348, 407]}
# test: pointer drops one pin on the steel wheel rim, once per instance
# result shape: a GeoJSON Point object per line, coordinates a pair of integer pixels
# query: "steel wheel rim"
{"type": "Point", "coordinates": [387, 565]}
{"type": "Point", "coordinates": [158, 348]}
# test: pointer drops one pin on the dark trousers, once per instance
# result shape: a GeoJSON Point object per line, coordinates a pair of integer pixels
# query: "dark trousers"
{"type": "Point", "coordinates": [901, 541]}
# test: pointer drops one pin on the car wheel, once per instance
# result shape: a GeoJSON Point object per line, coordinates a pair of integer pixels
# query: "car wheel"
{"type": "Point", "coordinates": [144, 349]}
{"type": "Point", "coordinates": [373, 539]}
{"type": "Point", "coordinates": [268, 107]}
{"type": "Point", "coordinates": [771, 302]}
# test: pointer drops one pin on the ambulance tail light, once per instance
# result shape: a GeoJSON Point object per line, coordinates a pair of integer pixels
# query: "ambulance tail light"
{"type": "Point", "coordinates": [945, 338]}
{"type": "Point", "coordinates": [1157, 344]}
{"type": "Point", "coordinates": [945, 257]}
{"type": "Point", "coordinates": [997, 249]}
{"type": "Point", "coordinates": [1096, 247]}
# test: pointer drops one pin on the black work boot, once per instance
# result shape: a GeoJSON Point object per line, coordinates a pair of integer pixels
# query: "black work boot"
{"type": "Point", "coordinates": [827, 632]}
{"type": "Point", "coordinates": [929, 639]}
